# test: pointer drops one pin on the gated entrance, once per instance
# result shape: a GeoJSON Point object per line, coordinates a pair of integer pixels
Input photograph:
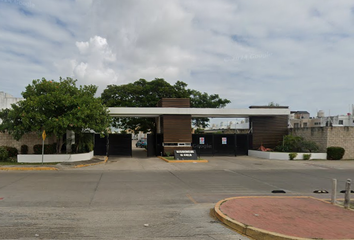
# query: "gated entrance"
{"type": "Point", "coordinates": [221, 144]}
{"type": "Point", "coordinates": [114, 144]}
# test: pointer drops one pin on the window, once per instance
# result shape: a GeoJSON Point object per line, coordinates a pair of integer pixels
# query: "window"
{"type": "Point", "coordinates": [296, 125]}
{"type": "Point", "coordinates": [340, 122]}
{"type": "Point", "coordinates": [305, 124]}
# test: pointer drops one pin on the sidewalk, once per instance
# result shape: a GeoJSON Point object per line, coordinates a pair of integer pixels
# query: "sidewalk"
{"type": "Point", "coordinates": [286, 218]}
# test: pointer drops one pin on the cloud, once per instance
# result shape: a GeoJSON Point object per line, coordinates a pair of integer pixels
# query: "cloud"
{"type": "Point", "coordinates": [92, 65]}
{"type": "Point", "coordinates": [295, 53]}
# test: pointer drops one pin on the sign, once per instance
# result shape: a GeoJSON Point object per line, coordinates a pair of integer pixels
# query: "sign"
{"type": "Point", "coordinates": [44, 135]}
{"type": "Point", "coordinates": [224, 140]}
{"type": "Point", "coordinates": [201, 140]}
{"type": "Point", "coordinates": [185, 155]}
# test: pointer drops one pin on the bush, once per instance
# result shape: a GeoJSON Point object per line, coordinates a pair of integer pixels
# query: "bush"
{"type": "Point", "coordinates": [48, 148]}
{"type": "Point", "coordinates": [73, 148]}
{"type": "Point", "coordinates": [335, 153]}
{"type": "Point", "coordinates": [292, 156]}
{"type": "Point", "coordinates": [306, 156]}
{"type": "Point", "coordinates": [24, 149]}
{"type": "Point", "coordinates": [3, 154]}
{"type": "Point", "coordinates": [296, 144]}
{"type": "Point", "coordinates": [12, 152]}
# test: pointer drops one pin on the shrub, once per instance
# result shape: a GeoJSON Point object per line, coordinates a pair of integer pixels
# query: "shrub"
{"type": "Point", "coordinates": [335, 153]}
{"type": "Point", "coordinates": [48, 148]}
{"type": "Point", "coordinates": [296, 144]}
{"type": "Point", "coordinates": [306, 156]}
{"type": "Point", "coordinates": [3, 154]}
{"type": "Point", "coordinates": [24, 149]}
{"type": "Point", "coordinates": [292, 156]}
{"type": "Point", "coordinates": [12, 152]}
{"type": "Point", "coordinates": [37, 149]}
{"type": "Point", "coordinates": [309, 146]}
{"type": "Point", "coordinates": [73, 148]}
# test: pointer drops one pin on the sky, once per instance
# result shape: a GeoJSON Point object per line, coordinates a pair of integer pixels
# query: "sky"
{"type": "Point", "coordinates": [297, 53]}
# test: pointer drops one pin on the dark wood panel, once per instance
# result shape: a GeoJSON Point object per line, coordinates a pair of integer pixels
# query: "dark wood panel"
{"type": "Point", "coordinates": [176, 128]}
{"type": "Point", "coordinates": [268, 131]}
{"type": "Point", "coordinates": [174, 102]}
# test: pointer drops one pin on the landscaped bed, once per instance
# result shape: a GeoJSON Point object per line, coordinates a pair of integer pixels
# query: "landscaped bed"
{"type": "Point", "coordinates": [173, 160]}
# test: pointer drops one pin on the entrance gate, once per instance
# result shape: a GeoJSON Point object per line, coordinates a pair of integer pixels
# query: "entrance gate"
{"type": "Point", "coordinates": [204, 144]}
{"type": "Point", "coordinates": [114, 144]}
{"type": "Point", "coordinates": [221, 144]}
{"type": "Point", "coordinates": [154, 145]}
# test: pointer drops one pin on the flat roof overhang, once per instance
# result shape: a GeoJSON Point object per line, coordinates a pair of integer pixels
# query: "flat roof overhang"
{"type": "Point", "coordinates": [196, 112]}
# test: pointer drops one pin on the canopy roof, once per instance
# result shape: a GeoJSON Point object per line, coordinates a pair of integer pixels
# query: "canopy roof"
{"type": "Point", "coordinates": [196, 112]}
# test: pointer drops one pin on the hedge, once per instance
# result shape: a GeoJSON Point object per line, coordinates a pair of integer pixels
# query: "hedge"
{"type": "Point", "coordinates": [48, 148]}
{"type": "Point", "coordinates": [335, 153]}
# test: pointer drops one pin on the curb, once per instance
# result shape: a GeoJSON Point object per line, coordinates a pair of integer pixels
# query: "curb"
{"type": "Point", "coordinates": [249, 231]}
{"type": "Point", "coordinates": [29, 169]}
{"type": "Point", "coordinates": [92, 164]}
{"type": "Point", "coordinates": [183, 161]}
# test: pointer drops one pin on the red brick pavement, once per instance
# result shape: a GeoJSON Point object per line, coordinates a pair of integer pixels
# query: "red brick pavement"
{"type": "Point", "coordinates": [303, 217]}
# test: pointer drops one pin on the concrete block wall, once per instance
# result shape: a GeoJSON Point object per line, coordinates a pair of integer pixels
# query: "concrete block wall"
{"type": "Point", "coordinates": [318, 134]}
{"type": "Point", "coordinates": [29, 139]}
{"type": "Point", "coordinates": [342, 137]}
{"type": "Point", "coordinates": [328, 137]}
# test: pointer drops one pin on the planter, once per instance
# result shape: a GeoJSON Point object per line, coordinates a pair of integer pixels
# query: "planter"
{"type": "Point", "coordinates": [283, 155]}
{"type": "Point", "coordinates": [50, 158]}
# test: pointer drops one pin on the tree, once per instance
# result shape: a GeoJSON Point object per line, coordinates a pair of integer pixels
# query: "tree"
{"type": "Point", "coordinates": [143, 93]}
{"type": "Point", "coordinates": [272, 104]}
{"type": "Point", "coordinates": [55, 107]}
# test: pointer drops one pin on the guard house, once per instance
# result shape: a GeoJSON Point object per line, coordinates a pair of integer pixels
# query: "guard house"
{"type": "Point", "coordinates": [175, 129]}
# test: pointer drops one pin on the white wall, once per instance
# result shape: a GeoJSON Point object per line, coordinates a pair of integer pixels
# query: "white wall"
{"type": "Point", "coordinates": [50, 158]}
{"type": "Point", "coordinates": [282, 155]}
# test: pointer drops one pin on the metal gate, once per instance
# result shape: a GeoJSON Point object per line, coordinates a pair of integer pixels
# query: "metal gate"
{"type": "Point", "coordinates": [113, 144]}
{"type": "Point", "coordinates": [221, 144]}
{"type": "Point", "coordinates": [120, 144]}
{"type": "Point", "coordinates": [154, 145]}
{"type": "Point", "coordinates": [101, 145]}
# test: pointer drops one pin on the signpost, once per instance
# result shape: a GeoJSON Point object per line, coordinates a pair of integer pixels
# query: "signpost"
{"type": "Point", "coordinates": [44, 135]}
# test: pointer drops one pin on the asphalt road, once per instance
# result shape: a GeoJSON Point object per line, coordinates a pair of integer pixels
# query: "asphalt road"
{"type": "Point", "coordinates": [139, 198]}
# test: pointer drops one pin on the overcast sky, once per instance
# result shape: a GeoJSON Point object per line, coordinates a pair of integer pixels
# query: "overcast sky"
{"type": "Point", "coordinates": [297, 53]}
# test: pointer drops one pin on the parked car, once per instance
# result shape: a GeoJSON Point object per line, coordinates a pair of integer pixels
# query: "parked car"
{"type": "Point", "coordinates": [142, 143]}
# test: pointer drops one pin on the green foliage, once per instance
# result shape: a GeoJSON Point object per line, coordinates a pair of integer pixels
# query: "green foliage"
{"type": "Point", "coordinates": [309, 146]}
{"type": "Point", "coordinates": [48, 148]}
{"type": "Point", "coordinates": [199, 131]}
{"type": "Point", "coordinates": [84, 142]}
{"type": "Point", "coordinates": [335, 153]}
{"type": "Point", "coordinates": [168, 154]}
{"type": "Point", "coordinates": [292, 156]}
{"type": "Point", "coordinates": [3, 154]}
{"type": "Point", "coordinates": [306, 156]}
{"type": "Point", "coordinates": [73, 148]}
{"type": "Point", "coordinates": [12, 151]}
{"type": "Point", "coordinates": [272, 104]}
{"type": "Point", "coordinates": [55, 107]}
{"type": "Point", "coordinates": [24, 149]}
{"type": "Point", "coordinates": [142, 93]}
{"type": "Point", "coordinates": [296, 144]}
